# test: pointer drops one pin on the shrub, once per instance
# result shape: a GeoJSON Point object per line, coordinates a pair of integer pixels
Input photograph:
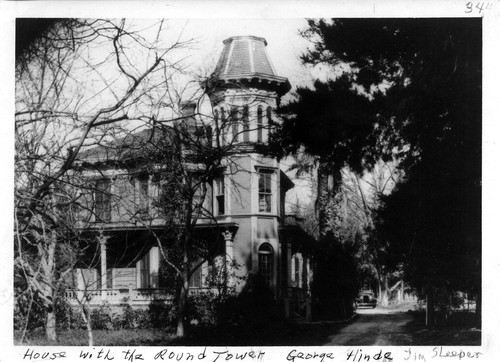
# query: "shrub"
{"type": "Point", "coordinates": [142, 319]}
{"type": "Point", "coordinates": [161, 314]}
{"type": "Point", "coordinates": [255, 307]}
{"type": "Point", "coordinates": [68, 317]}
{"type": "Point", "coordinates": [102, 318]}
{"type": "Point", "coordinates": [335, 283]}
{"type": "Point", "coordinates": [127, 319]}
{"type": "Point", "coordinates": [29, 314]}
{"type": "Point", "coordinates": [201, 308]}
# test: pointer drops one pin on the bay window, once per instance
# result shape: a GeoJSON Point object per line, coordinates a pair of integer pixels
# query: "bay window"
{"type": "Point", "coordinates": [265, 191]}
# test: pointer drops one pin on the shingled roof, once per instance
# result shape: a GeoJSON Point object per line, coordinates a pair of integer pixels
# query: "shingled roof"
{"type": "Point", "coordinates": [245, 59]}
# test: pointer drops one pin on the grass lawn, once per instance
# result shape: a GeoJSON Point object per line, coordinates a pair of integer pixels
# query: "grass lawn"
{"type": "Point", "coordinates": [277, 334]}
{"type": "Point", "coordinates": [123, 337]}
{"type": "Point", "coordinates": [460, 330]}
{"type": "Point", "coordinates": [282, 334]}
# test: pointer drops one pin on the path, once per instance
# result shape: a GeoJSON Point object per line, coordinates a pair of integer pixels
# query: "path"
{"type": "Point", "coordinates": [374, 327]}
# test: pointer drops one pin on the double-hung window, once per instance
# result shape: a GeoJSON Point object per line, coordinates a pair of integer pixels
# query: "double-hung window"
{"type": "Point", "coordinates": [196, 279]}
{"type": "Point", "coordinates": [219, 193]}
{"type": "Point", "coordinates": [265, 191]}
{"type": "Point", "coordinates": [103, 200]}
{"type": "Point", "coordinates": [142, 193]}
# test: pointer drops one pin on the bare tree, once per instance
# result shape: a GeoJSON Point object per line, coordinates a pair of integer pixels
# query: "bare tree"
{"type": "Point", "coordinates": [361, 199]}
{"type": "Point", "coordinates": [75, 82]}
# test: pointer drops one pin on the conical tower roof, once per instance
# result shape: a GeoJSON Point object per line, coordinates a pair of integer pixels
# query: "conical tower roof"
{"type": "Point", "coordinates": [244, 59]}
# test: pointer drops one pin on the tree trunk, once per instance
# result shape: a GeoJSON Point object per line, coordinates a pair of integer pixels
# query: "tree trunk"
{"type": "Point", "coordinates": [50, 326]}
{"type": "Point", "coordinates": [46, 251]}
{"type": "Point", "coordinates": [383, 287]}
{"type": "Point", "coordinates": [478, 309]}
{"type": "Point", "coordinates": [384, 297]}
{"type": "Point", "coordinates": [431, 318]}
{"type": "Point", "coordinates": [329, 181]}
{"type": "Point", "coordinates": [183, 295]}
{"type": "Point", "coordinates": [88, 323]}
{"type": "Point", "coordinates": [181, 307]}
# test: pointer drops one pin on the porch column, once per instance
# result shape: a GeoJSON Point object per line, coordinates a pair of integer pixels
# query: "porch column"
{"type": "Point", "coordinates": [104, 269]}
{"type": "Point", "coordinates": [229, 256]}
{"type": "Point", "coordinates": [287, 279]}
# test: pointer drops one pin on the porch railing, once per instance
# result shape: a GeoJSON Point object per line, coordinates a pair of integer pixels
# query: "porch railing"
{"type": "Point", "coordinates": [297, 298]}
{"type": "Point", "coordinates": [117, 296]}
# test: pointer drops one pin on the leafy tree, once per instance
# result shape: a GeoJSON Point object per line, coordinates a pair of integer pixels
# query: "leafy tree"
{"type": "Point", "coordinates": [361, 201]}
{"type": "Point", "coordinates": [332, 122]}
{"type": "Point", "coordinates": [423, 77]}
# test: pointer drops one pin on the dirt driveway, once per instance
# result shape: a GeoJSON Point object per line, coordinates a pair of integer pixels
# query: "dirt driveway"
{"type": "Point", "coordinates": [374, 327]}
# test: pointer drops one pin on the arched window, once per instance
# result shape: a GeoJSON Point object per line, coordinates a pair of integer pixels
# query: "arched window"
{"type": "Point", "coordinates": [235, 115]}
{"type": "Point", "coordinates": [216, 126]}
{"type": "Point", "coordinates": [266, 269]}
{"type": "Point", "coordinates": [216, 117]}
{"type": "Point", "coordinates": [269, 116]}
{"type": "Point", "coordinates": [246, 126]}
{"type": "Point", "coordinates": [222, 126]}
{"type": "Point", "coordinates": [222, 117]}
{"type": "Point", "coordinates": [259, 124]}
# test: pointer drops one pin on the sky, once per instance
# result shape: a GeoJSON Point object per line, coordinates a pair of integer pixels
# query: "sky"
{"type": "Point", "coordinates": [284, 44]}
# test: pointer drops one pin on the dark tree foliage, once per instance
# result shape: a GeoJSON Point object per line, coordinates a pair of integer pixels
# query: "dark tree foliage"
{"type": "Point", "coordinates": [331, 121]}
{"type": "Point", "coordinates": [423, 77]}
{"type": "Point", "coordinates": [335, 283]}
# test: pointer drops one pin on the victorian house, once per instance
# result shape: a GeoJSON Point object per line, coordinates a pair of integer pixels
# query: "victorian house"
{"type": "Point", "coordinates": [247, 219]}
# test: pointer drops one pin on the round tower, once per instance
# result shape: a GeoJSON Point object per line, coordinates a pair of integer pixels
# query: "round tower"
{"type": "Point", "coordinates": [244, 91]}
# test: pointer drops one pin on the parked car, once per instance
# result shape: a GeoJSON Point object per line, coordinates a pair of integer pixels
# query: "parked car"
{"type": "Point", "coordinates": [366, 298]}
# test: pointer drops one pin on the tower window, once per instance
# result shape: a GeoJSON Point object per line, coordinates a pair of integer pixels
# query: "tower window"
{"type": "Point", "coordinates": [235, 115]}
{"type": "Point", "coordinates": [265, 191]}
{"type": "Point", "coordinates": [260, 124]}
{"type": "Point", "coordinates": [246, 126]}
{"type": "Point", "coordinates": [216, 117]}
{"type": "Point", "coordinates": [217, 126]}
{"type": "Point", "coordinates": [222, 126]}
{"type": "Point", "coordinates": [266, 267]}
